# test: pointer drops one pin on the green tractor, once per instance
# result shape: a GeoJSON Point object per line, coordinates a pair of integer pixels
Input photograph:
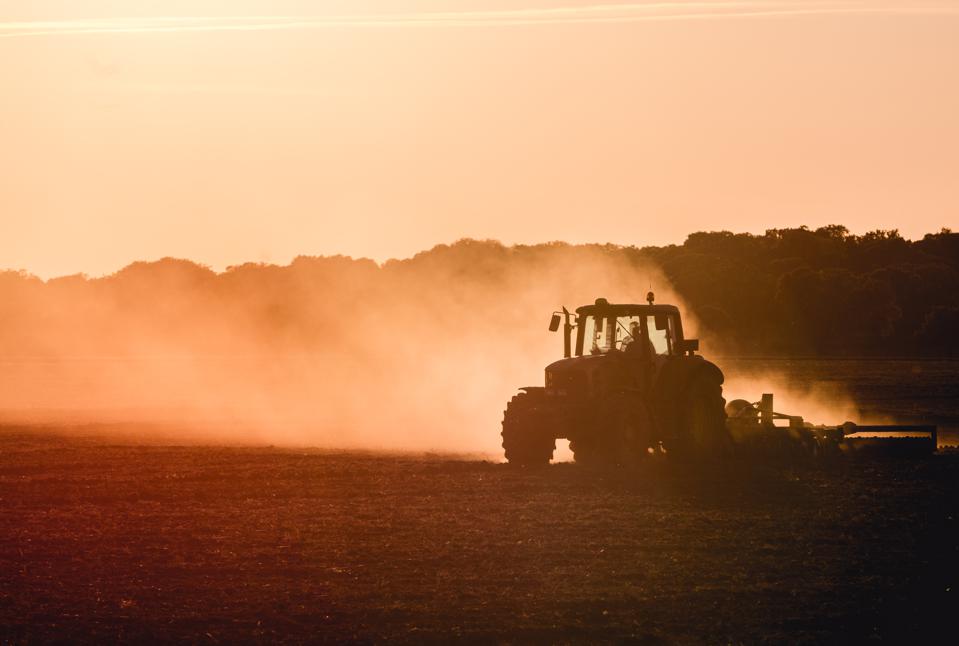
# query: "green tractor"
{"type": "Point", "coordinates": [630, 386]}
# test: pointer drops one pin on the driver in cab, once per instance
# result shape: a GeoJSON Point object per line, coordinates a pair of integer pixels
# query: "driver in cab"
{"type": "Point", "coordinates": [635, 345]}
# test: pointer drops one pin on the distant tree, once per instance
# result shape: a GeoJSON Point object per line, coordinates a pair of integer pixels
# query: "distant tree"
{"type": "Point", "coordinates": [941, 247]}
{"type": "Point", "coordinates": [833, 231]}
{"type": "Point", "coordinates": [880, 235]}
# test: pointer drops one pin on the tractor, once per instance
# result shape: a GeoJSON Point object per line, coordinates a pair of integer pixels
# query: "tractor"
{"type": "Point", "coordinates": [629, 385]}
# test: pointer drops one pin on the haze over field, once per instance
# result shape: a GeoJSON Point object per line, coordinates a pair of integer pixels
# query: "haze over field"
{"type": "Point", "coordinates": [336, 132]}
{"type": "Point", "coordinates": [423, 353]}
{"type": "Point", "coordinates": [327, 351]}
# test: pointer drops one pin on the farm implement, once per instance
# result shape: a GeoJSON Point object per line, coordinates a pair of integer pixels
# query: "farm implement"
{"type": "Point", "coordinates": [756, 427]}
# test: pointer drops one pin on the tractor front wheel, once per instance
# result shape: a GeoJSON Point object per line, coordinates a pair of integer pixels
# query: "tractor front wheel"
{"type": "Point", "coordinates": [527, 437]}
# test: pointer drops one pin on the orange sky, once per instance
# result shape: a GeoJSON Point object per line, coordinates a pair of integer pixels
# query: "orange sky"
{"type": "Point", "coordinates": [226, 131]}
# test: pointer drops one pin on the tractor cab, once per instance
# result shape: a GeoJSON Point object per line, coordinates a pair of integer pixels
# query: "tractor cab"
{"type": "Point", "coordinates": [605, 327]}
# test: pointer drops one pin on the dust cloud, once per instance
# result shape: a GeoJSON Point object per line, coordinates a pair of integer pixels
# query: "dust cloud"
{"type": "Point", "coordinates": [418, 354]}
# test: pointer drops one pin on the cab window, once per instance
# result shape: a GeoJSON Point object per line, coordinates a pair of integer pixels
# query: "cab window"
{"type": "Point", "coordinates": [661, 339]}
{"type": "Point", "coordinates": [602, 334]}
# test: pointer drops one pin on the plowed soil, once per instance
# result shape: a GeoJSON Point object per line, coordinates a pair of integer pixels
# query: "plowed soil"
{"type": "Point", "coordinates": [103, 543]}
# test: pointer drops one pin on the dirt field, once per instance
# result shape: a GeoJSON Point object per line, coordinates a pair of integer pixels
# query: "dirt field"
{"type": "Point", "coordinates": [104, 542]}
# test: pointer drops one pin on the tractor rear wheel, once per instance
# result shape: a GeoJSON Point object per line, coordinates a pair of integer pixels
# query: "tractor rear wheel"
{"type": "Point", "coordinates": [704, 421]}
{"type": "Point", "coordinates": [527, 436]}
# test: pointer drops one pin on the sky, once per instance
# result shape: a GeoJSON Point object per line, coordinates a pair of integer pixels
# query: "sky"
{"type": "Point", "coordinates": [253, 130]}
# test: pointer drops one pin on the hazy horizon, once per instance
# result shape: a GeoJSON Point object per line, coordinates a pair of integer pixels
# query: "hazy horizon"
{"type": "Point", "coordinates": [380, 262]}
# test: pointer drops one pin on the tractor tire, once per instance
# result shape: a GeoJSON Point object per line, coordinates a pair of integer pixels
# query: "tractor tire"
{"type": "Point", "coordinates": [619, 439]}
{"type": "Point", "coordinates": [527, 437]}
{"type": "Point", "coordinates": [703, 422]}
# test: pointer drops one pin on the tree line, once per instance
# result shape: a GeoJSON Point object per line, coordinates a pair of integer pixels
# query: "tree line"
{"type": "Point", "coordinates": [792, 292]}
{"type": "Point", "coordinates": [822, 291]}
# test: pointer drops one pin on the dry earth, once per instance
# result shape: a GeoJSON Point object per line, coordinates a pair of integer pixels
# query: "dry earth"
{"type": "Point", "coordinates": [102, 543]}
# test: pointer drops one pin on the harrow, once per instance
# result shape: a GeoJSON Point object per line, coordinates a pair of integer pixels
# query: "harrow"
{"type": "Point", "coordinates": [758, 428]}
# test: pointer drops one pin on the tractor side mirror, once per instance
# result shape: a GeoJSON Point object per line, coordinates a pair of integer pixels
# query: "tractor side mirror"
{"type": "Point", "coordinates": [688, 345]}
{"type": "Point", "coordinates": [554, 323]}
{"type": "Point", "coordinates": [660, 321]}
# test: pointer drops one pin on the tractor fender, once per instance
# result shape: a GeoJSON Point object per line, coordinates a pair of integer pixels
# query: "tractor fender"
{"type": "Point", "coordinates": [673, 381]}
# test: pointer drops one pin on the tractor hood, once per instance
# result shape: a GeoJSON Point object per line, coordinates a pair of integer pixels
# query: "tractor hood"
{"type": "Point", "coordinates": [575, 375]}
{"type": "Point", "coordinates": [585, 363]}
